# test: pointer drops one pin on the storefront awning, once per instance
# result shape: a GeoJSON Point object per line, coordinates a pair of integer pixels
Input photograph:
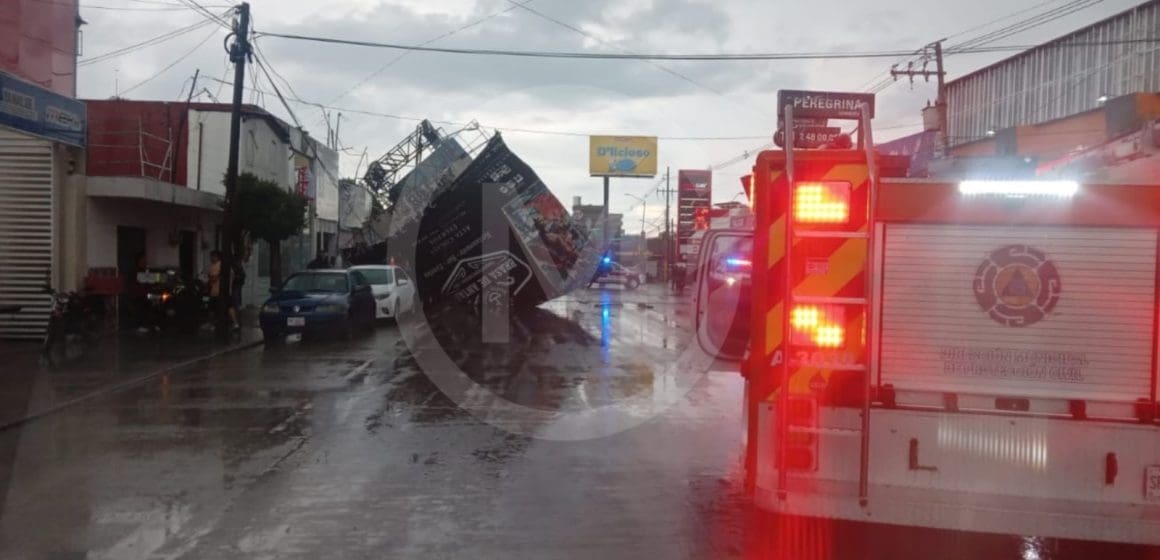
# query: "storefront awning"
{"type": "Point", "coordinates": [141, 188]}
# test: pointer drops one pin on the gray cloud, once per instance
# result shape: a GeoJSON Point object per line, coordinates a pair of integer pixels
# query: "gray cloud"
{"type": "Point", "coordinates": [583, 96]}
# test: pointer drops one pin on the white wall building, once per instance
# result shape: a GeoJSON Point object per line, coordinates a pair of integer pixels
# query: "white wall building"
{"type": "Point", "coordinates": [157, 185]}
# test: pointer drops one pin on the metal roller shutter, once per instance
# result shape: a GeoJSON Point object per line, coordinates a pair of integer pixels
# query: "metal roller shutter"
{"type": "Point", "coordinates": [26, 232]}
{"type": "Point", "coordinates": [1048, 312]}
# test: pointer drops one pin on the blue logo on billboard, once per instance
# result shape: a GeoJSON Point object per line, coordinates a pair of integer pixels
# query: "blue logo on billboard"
{"type": "Point", "coordinates": [622, 165]}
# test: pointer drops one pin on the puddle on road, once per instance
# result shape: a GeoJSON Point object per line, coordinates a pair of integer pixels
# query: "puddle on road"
{"type": "Point", "coordinates": [558, 358]}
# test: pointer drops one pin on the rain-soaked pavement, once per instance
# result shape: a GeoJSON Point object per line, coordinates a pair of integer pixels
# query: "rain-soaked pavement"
{"type": "Point", "coordinates": [601, 447]}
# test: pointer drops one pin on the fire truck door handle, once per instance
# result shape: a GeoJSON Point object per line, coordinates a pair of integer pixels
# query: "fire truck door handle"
{"type": "Point", "coordinates": [913, 458]}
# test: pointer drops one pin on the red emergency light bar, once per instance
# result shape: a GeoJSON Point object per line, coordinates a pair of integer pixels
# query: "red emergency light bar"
{"type": "Point", "coordinates": [821, 326]}
{"type": "Point", "coordinates": [822, 202]}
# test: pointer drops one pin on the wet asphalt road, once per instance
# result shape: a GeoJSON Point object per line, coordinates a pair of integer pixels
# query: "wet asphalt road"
{"type": "Point", "coordinates": [346, 449]}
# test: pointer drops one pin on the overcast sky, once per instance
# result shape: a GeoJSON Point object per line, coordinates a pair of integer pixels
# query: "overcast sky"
{"type": "Point", "coordinates": [667, 99]}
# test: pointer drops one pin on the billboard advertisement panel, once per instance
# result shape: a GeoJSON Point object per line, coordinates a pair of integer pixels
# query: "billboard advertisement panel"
{"type": "Point", "coordinates": [694, 201]}
{"type": "Point", "coordinates": [496, 226]}
{"type": "Point", "coordinates": [622, 156]}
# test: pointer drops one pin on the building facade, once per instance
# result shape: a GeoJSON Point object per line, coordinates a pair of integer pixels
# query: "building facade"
{"type": "Point", "coordinates": [156, 186]}
{"type": "Point", "coordinates": [1056, 96]}
{"type": "Point", "coordinates": [42, 160]}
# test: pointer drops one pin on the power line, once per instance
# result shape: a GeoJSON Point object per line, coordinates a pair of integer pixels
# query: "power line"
{"type": "Point", "coordinates": [146, 43]}
{"type": "Point", "coordinates": [285, 105]}
{"type": "Point", "coordinates": [886, 79]}
{"type": "Point", "coordinates": [999, 19]}
{"type": "Point", "coordinates": [500, 128]}
{"type": "Point", "coordinates": [403, 55]}
{"type": "Point", "coordinates": [744, 156]}
{"type": "Point", "coordinates": [194, 5]}
{"type": "Point", "coordinates": [172, 64]}
{"type": "Point", "coordinates": [655, 64]}
{"type": "Point", "coordinates": [160, 6]}
{"type": "Point", "coordinates": [717, 57]}
{"type": "Point", "coordinates": [158, 2]}
{"type": "Point", "coordinates": [1025, 24]}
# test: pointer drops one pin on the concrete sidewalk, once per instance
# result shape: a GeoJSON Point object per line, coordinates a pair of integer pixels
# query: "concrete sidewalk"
{"type": "Point", "coordinates": [30, 389]}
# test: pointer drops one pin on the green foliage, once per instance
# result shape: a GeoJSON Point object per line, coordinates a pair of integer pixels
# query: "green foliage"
{"type": "Point", "coordinates": [268, 211]}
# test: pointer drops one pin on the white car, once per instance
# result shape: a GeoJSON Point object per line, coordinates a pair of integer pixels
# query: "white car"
{"type": "Point", "coordinates": [394, 292]}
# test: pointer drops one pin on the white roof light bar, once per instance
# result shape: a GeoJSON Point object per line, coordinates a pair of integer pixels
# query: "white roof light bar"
{"type": "Point", "coordinates": [1062, 189]}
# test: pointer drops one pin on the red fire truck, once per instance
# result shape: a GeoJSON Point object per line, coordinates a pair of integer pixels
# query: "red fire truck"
{"type": "Point", "coordinates": [972, 355]}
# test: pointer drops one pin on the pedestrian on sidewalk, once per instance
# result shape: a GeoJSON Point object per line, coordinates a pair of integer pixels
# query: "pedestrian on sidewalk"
{"type": "Point", "coordinates": [215, 288]}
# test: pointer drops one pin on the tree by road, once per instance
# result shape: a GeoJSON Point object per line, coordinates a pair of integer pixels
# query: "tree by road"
{"type": "Point", "coordinates": [269, 212]}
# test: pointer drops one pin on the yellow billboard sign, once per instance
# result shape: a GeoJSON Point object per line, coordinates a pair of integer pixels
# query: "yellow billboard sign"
{"type": "Point", "coordinates": [622, 156]}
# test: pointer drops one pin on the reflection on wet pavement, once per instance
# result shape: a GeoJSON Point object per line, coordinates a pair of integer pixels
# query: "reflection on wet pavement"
{"type": "Point", "coordinates": [337, 449]}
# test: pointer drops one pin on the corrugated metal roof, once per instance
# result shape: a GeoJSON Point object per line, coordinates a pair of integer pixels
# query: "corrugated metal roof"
{"type": "Point", "coordinates": [1068, 75]}
{"type": "Point", "coordinates": [1054, 42]}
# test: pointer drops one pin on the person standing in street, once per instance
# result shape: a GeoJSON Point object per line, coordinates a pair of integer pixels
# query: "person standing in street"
{"type": "Point", "coordinates": [215, 288]}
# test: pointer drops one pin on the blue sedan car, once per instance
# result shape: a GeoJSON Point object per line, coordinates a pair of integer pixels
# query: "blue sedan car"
{"type": "Point", "coordinates": [317, 301]}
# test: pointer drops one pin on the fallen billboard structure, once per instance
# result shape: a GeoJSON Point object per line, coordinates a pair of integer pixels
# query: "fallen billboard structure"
{"type": "Point", "coordinates": [491, 234]}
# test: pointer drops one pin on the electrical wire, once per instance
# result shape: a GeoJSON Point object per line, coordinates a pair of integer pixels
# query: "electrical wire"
{"type": "Point", "coordinates": [208, 14]}
{"type": "Point", "coordinates": [887, 79]}
{"type": "Point", "coordinates": [146, 43]}
{"type": "Point", "coordinates": [172, 64]}
{"type": "Point", "coordinates": [653, 63]}
{"type": "Point", "coordinates": [999, 19]}
{"type": "Point", "coordinates": [717, 57]}
{"type": "Point", "coordinates": [1024, 25]}
{"type": "Point", "coordinates": [163, 7]}
{"type": "Point", "coordinates": [505, 129]}
{"type": "Point", "coordinates": [285, 105]}
{"type": "Point", "coordinates": [403, 55]}
{"type": "Point", "coordinates": [158, 2]}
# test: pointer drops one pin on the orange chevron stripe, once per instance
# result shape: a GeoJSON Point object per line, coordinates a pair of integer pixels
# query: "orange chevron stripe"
{"type": "Point", "coordinates": [777, 241]}
{"type": "Point", "coordinates": [845, 263]}
{"type": "Point", "coordinates": [773, 328]}
{"type": "Point", "coordinates": [857, 174]}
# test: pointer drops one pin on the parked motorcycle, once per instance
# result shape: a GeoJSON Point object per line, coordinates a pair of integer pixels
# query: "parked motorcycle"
{"type": "Point", "coordinates": [175, 304]}
{"type": "Point", "coordinates": [74, 325]}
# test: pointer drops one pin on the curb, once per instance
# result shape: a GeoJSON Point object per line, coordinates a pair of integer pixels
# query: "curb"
{"type": "Point", "coordinates": [126, 384]}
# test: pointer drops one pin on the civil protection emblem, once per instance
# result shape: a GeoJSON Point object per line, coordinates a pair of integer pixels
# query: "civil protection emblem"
{"type": "Point", "coordinates": [1017, 285]}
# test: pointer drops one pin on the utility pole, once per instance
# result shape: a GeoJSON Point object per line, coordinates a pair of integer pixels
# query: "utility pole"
{"type": "Point", "coordinates": [231, 249]}
{"type": "Point", "coordinates": [668, 258]}
{"type": "Point", "coordinates": [607, 238]}
{"type": "Point", "coordinates": [933, 50]}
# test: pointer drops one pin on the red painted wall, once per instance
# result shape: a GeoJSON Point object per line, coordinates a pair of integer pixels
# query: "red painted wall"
{"type": "Point", "coordinates": [38, 42]}
{"type": "Point", "coordinates": [116, 145]}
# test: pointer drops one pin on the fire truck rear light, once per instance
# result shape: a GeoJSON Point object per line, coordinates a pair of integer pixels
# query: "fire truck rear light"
{"type": "Point", "coordinates": [825, 202]}
{"type": "Point", "coordinates": [805, 318]}
{"type": "Point", "coordinates": [830, 336]}
{"type": "Point", "coordinates": [818, 325]}
{"type": "Point", "coordinates": [1061, 189]}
